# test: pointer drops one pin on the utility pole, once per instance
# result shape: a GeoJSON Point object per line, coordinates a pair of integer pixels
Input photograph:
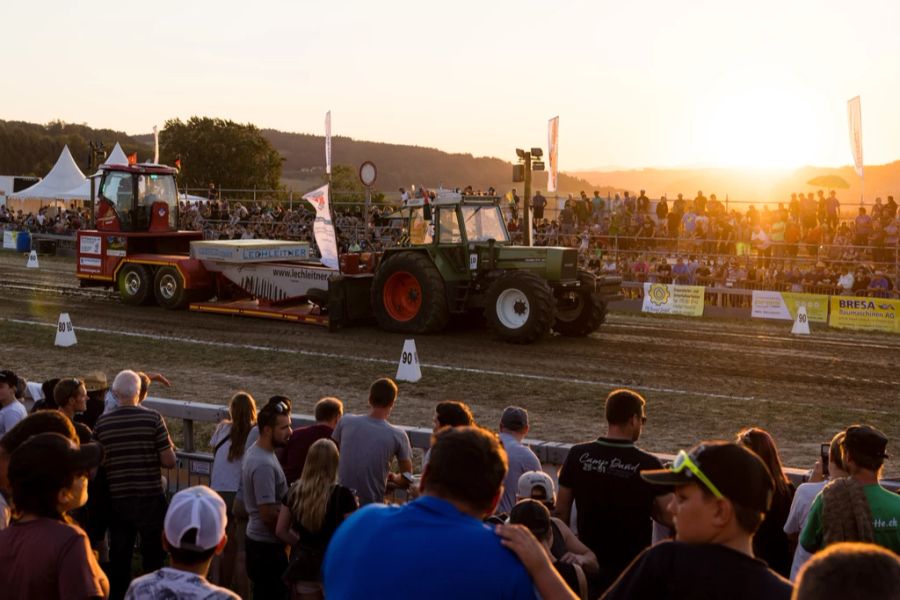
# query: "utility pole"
{"type": "Point", "coordinates": [522, 173]}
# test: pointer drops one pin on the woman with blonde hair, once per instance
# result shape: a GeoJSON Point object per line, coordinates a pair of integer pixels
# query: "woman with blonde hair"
{"type": "Point", "coordinates": [314, 508]}
{"type": "Point", "coordinates": [229, 442]}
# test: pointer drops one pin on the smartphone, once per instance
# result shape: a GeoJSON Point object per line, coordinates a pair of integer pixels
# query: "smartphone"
{"type": "Point", "coordinates": [823, 452]}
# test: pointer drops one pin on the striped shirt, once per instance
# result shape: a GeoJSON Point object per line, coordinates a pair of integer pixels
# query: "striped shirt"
{"type": "Point", "coordinates": [132, 437]}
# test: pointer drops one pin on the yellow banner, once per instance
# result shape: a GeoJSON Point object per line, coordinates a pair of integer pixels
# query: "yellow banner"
{"type": "Point", "coordinates": [669, 299]}
{"type": "Point", "coordinates": [876, 314]}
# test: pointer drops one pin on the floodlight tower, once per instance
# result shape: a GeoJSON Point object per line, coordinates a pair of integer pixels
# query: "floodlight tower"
{"type": "Point", "coordinates": [522, 173]}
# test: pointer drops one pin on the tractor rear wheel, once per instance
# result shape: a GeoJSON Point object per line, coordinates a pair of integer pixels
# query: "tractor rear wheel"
{"type": "Point", "coordinates": [581, 314]}
{"type": "Point", "coordinates": [168, 287]}
{"type": "Point", "coordinates": [135, 283]}
{"type": "Point", "coordinates": [520, 307]}
{"type": "Point", "coordinates": [408, 295]}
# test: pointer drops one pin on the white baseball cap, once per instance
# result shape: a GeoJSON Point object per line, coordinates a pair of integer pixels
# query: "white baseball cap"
{"type": "Point", "coordinates": [199, 508]}
{"type": "Point", "coordinates": [531, 479]}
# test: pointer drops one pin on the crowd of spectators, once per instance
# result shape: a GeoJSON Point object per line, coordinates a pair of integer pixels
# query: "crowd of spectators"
{"type": "Point", "coordinates": [806, 244]}
{"type": "Point", "coordinates": [314, 512]}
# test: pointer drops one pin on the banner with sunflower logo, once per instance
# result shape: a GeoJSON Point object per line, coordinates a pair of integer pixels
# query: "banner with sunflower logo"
{"type": "Point", "coordinates": [671, 299]}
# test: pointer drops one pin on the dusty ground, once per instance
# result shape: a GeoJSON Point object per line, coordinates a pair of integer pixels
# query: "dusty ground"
{"type": "Point", "coordinates": [702, 378]}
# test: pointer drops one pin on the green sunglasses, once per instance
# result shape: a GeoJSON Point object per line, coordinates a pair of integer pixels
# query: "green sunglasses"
{"type": "Point", "coordinates": [683, 461]}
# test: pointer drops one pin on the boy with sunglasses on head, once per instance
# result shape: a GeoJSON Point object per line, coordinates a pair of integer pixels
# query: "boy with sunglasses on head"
{"type": "Point", "coordinates": [722, 492]}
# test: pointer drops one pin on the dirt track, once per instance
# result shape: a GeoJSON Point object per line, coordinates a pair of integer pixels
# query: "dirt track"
{"type": "Point", "coordinates": [702, 378]}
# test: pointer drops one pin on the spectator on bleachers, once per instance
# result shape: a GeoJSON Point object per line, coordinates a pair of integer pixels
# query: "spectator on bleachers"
{"type": "Point", "coordinates": [43, 422]}
{"type": "Point", "coordinates": [443, 537]}
{"type": "Point", "coordinates": [535, 516]}
{"type": "Point", "coordinates": [313, 509]}
{"type": "Point", "coordinates": [602, 478]}
{"type": "Point", "coordinates": [520, 458]}
{"type": "Point", "coordinates": [369, 442]}
{"type": "Point", "coordinates": [850, 571]}
{"type": "Point", "coordinates": [194, 532]}
{"type": "Point", "coordinates": [328, 411]}
{"type": "Point", "coordinates": [856, 508]}
{"type": "Point", "coordinates": [770, 543]}
{"type": "Point", "coordinates": [137, 443]}
{"type": "Point", "coordinates": [722, 491]}
{"type": "Point", "coordinates": [11, 409]}
{"type": "Point", "coordinates": [806, 493]}
{"type": "Point", "coordinates": [229, 444]}
{"type": "Point", "coordinates": [43, 554]}
{"type": "Point", "coordinates": [263, 486]}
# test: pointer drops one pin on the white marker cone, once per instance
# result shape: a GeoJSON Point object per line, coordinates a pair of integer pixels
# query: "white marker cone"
{"type": "Point", "coordinates": [65, 333]}
{"type": "Point", "coordinates": [801, 323]}
{"type": "Point", "coordinates": [409, 370]}
{"type": "Point", "coordinates": [32, 260]}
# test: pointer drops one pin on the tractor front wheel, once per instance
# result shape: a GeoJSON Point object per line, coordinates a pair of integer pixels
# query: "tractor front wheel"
{"type": "Point", "coordinates": [520, 307]}
{"type": "Point", "coordinates": [580, 314]}
{"type": "Point", "coordinates": [408, 295]}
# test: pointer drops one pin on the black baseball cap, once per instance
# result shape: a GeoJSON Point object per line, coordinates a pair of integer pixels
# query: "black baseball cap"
{"type": "Point", "coordinates": [9, 378]}
{"type": "Point", "coordinates": [865, 440]}
{"type": "Point", "coordinates": [533, 515]}
{"type": "Point", "coordinates": [50, 458]}
{"type": "Point", "coordinates": [738, 473]}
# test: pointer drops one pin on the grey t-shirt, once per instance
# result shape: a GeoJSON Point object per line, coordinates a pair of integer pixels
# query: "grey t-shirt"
{"type": "Point", "coordinates": [521, 459]}
{"type": "Point", "coordinates": [367, 447]}
{"type": "Point", "coordinates": [263, 482]}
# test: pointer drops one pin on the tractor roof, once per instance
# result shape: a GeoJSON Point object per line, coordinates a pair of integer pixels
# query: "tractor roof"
{"type": "Point", "coordinates": [141, 168]}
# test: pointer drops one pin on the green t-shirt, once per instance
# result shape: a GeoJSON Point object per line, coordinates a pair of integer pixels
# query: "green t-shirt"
{"type": "Point", "coordinates": [885, 506]}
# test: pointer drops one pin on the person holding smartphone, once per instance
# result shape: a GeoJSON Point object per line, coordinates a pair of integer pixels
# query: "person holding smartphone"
{"type": "Point", "coordinates": [829, 466]}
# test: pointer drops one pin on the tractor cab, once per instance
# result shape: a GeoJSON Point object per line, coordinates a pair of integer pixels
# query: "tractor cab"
{"type": "Point", "coordinates": [452, 219]}
{"type": "Point", "coordinates": [137, 198]}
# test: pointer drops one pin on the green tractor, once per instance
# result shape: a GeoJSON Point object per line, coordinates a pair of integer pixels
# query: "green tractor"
{"type": "Point", "coordinates": [456, 259]}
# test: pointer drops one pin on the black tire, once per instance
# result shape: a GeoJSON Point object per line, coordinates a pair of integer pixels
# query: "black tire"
{"type": "Point", "coordinates": [408, 295]}
{"type": "Point", "coordinates": [168, 287]}
{"type": "Point", "coordinates": [135, 283]}
{"type": "Point", "coordinates": [318, 296]}
{"type": "Point", "coordinates": [581, 316]}
{"type": "Point", "coordinates": [520, 307]}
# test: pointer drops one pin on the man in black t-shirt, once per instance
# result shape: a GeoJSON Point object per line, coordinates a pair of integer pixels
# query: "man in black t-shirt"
{"type": "Point", "coordinates": [614, 504]}
{"type": "Point", "coordinates": [722, 492]}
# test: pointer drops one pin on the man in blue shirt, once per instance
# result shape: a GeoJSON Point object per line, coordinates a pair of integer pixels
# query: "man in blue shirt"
{"type": "Point", "coordinates": [438, 538]}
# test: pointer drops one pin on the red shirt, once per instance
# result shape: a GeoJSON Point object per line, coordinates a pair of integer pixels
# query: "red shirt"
{"type": "Point", "coordinates": [298, 447]}
{"type": "Point", "coordinates": [48, 559]}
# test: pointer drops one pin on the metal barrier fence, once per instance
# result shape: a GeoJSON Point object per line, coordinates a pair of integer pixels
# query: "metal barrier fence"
{"type": "Point", "coordinates": [194, 467]}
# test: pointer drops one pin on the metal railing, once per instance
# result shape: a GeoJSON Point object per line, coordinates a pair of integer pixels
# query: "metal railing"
{"type": "Point", "coordinates": [194, 467]}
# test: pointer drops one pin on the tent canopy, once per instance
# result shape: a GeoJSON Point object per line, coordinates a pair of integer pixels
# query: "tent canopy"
{"type": "Point", "coordinates": [82, 191]}
{"type": "Point", "coordinates": [64, 176]}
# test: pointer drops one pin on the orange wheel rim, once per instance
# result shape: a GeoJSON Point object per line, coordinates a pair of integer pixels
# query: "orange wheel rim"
{"type": "Point", "coordinates": [402, 296]}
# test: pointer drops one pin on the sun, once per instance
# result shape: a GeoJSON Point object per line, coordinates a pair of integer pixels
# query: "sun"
{"type": "Point", "coordinates": [753, 126]}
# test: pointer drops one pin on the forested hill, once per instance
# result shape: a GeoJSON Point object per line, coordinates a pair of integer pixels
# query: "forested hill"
{"type": "Point", "coordinates": [404, 166]}
{"type": "Point", "coordinates": [32, 149]}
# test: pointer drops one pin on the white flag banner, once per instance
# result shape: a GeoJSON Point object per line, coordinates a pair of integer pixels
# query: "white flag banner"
{"type": "Point", "coordinates": [854, 116]}
{"type": "Point", "coordinates": [553, 153]}
{"type": "Point", "coordinates": [155, 145]}
{"type": "Point", "coordinates": [328, 142]}
{"type": "Point", "coordinates": [323, 228]}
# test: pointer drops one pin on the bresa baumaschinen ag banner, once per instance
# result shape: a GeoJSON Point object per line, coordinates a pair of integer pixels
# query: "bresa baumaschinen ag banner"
{"type": "Point", "coordinates": [877, 314]}
{"type": "Point", "coordinates": [783, 305]}
{"type": "Point", "coordinates": [670, 299]}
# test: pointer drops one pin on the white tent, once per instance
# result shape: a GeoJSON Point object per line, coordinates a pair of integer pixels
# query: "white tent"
{"type": "Point", "coordinates": [82, 191]}
{"type": "Point", "coordinates": [64, 176]}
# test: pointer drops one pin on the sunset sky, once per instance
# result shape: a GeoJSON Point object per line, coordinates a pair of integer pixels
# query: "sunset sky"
{"type": "Point", "coordinates": [636, 84]}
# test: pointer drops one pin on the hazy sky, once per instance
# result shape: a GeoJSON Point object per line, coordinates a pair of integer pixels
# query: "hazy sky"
{"type": "Point", "coordinates": [636, 84]}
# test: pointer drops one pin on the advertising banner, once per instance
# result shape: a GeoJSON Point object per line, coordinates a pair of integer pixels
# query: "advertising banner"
{"type": "Point", "coordinates": [783, 305]}
{"type": "Point", "coordinates": [875, 314]}
{"type": "Point", "coordinates": [854, 116]}
{"type": "Point", "coordinates": [670, 299]}
{"type": "Point", "coordinates": [9, 240]}
{"type": "Point", "coordinates": [553, 154]}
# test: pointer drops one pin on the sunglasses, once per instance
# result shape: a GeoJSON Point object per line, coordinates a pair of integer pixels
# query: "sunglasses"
{"type": "Point", "coordinates": [280, 408]}
{"type": "Point", "coordinates": [683, 461]}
